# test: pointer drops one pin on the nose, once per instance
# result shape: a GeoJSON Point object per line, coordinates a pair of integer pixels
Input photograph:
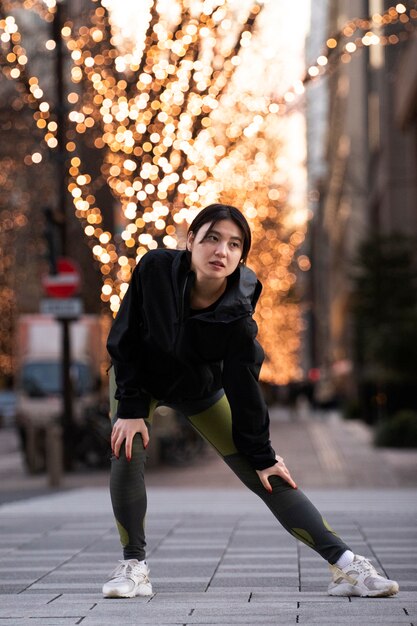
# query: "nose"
{"type": "Point", "coordinates": [221, 249]}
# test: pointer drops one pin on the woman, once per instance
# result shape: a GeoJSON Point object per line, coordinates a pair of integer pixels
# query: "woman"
{"type": "Point", "coordinates": [185, 337]}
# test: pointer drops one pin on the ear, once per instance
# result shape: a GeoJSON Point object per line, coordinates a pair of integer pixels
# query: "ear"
{"type": "Point", "coordinates": [190, 240]}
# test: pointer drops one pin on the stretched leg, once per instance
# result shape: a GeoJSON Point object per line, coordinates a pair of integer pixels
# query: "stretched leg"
{"type": "Point", "coordinates": [290, 506]}
{"type": "Point", "coordinates": [128, 496]}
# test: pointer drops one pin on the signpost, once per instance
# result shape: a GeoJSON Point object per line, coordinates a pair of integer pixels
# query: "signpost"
{"type": "Point", "coordinates": [66, 282]}
{"type": "Point", "coordinates": [64, 279]}
{"type": "Point", "coordinates": [61, 303]}
{"type": "Point", "coordinates": [61, 289]}
{"type": "Point", "coordinates": [62, 308]}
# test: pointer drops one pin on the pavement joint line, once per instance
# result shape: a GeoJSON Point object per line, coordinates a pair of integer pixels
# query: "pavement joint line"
{"type": "Point", "coordinates": [55, 598]}
{"type": "Point", "coordinates": [231, 535]}
{"type": "Point", "coordinates": [298, 564]}
{"type": "Point", "coordinates": [54, 569]}
{"type": "Point", "coordinates": [370, 547]}
{"type": "Point", "coordinates": [170, 532]}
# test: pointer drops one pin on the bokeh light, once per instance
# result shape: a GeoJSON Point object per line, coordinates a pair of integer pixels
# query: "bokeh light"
{"type": "Point", "coordinates": [173, 108]}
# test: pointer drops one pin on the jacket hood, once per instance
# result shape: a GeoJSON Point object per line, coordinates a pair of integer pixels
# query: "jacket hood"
{"type": "Point", "coordinates": [239, 300]}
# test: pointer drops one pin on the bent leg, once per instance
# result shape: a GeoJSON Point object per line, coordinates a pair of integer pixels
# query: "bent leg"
{"type": "Point", "coordinates": [128, 496]}
{"type": "Point", "coordinates": [290, 506]}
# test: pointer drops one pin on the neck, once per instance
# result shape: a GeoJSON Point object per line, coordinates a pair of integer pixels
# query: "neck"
{"type": "Point", "coordinates": [205, 292]}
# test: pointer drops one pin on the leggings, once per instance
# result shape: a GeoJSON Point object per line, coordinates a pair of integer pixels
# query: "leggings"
{"type": "Point", "coordinates": [290, 506]}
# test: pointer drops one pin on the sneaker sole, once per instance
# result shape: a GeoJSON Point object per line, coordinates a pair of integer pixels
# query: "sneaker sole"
{"type": "Point", "coordinates": [350, 590]}
{"type": "Point", "coordinates": [132, 594]}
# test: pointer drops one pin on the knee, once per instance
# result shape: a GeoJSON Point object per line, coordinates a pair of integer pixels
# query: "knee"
{"type": "Point", "coordinates": [138, 455]}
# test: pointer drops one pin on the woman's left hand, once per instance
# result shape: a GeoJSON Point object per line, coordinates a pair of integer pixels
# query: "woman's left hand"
{"type": "Point", "coordinates": [279, 469]}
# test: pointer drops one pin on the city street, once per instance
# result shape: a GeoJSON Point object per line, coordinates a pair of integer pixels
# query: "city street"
{"type": "Point", "coordinates": [199, 195]}
{"type": "Point", "coordinates": [216, 555]}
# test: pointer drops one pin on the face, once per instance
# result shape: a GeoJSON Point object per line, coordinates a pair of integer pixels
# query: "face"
{"type": "Point", "coordinates": [216, 252]}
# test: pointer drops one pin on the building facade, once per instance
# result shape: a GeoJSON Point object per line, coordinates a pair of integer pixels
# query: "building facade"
{"type": "Point", "coordinates": [369, 185]}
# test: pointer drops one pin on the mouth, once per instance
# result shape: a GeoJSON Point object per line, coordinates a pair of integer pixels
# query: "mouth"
{"type": "Point", "coordinates": [218, 264]}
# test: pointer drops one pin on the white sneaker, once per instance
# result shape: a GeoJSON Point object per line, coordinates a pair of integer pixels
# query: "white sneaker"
{"type": "Point", "coordinates": [128, 580]}
{"type": "Point", "coordinates": [360, 578]}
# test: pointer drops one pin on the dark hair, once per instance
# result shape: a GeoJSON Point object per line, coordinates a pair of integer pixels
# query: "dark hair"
{"type": "Point", "coordinates": [215, 213]}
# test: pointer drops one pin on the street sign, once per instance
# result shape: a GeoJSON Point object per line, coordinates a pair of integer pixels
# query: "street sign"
{"type": "Point", "coordinates": [65, 283]}
{"type": "Point", "coordinates": [62, 308]}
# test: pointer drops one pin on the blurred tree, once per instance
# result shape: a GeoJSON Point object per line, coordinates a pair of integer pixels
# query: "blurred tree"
{"type": "Point", "coordinates": [27, 174]}
{"type": "Point", "coordinates": [21, 245]}
{"type": "Point", "coordinates": [276, 239]}
{"type": "Point", "coordinates": [169, 120]}
{"type": "Point", "coordinates": [385, 316]}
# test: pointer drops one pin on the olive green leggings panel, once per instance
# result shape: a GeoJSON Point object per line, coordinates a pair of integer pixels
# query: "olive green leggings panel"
{"type": "Point", "coordinates": [290, 506]}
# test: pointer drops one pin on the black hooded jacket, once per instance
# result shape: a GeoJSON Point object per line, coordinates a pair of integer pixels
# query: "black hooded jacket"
{"type": "Point", "coordinates": [161, 351]}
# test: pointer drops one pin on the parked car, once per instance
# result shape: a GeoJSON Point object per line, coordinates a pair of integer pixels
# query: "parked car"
{"type": "Point", "coordinates": [39, 379]}
{"type": "Point", "coordinates": [7, 408]}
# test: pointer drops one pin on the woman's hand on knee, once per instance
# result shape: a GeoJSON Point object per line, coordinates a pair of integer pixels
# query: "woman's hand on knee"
{"type": "Point", "coordinates": [125, 430]}
{"type": "Point", "coordinates": [279, 469]}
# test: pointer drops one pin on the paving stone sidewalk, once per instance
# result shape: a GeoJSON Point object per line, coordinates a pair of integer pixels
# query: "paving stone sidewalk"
{"type": "Point", "coordinates": [217, 556]}
{"type": "Point", "coordinates": [321, 449]}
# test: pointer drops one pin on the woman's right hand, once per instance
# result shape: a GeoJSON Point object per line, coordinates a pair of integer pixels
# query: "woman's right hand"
{"type": "Point", "coordinates": [279, 469]}
{"type": "Point", "coordinates": [125, 430]}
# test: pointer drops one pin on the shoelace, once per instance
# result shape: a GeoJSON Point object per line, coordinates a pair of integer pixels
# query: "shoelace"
{"type": "Point", "coordinates": [138, 571]}
{"type": "Point", "coordinates": [124, 569]}
{"type": "Point", "coordinates": [365, 567]}
{"type": "Point", "coordinates": [120, 570]}
{"type": "Point", "coordinates": [361, 567]}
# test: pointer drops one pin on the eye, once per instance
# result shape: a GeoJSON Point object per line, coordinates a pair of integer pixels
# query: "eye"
{"type": "Point", "coordinates": [211, 238]}
{"type": "Point", "coordinates": [235, 244]}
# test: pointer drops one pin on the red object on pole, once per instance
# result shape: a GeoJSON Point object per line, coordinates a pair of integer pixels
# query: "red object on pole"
{"type": "Point", "coordinates": [65, 283]}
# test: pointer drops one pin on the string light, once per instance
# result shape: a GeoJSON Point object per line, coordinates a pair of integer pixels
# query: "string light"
{"type": "Point", "coordinates": [355, 35]}
{"type": "Point", "coordinates": [15, 206]}
{"type": "Point", "coordinates": [44, 8]}
{"type": "Point", "coordinates": [14, 60]}
{"type": "Point", "coordinates": [151, 148]}
{"type": "Point", "coordinates": [7, 258]}
{"type": "Point", "coordinates": [256, 185]}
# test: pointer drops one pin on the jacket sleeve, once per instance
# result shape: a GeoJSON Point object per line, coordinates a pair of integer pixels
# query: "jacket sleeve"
{"type": "Point", "coordinates": [124, 347]}
{"type": "Point", "coordinates": [250, 419]}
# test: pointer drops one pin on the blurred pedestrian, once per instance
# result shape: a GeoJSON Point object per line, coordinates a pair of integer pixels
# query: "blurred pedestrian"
{"type": "Point", "coordinates": [185, 337]}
